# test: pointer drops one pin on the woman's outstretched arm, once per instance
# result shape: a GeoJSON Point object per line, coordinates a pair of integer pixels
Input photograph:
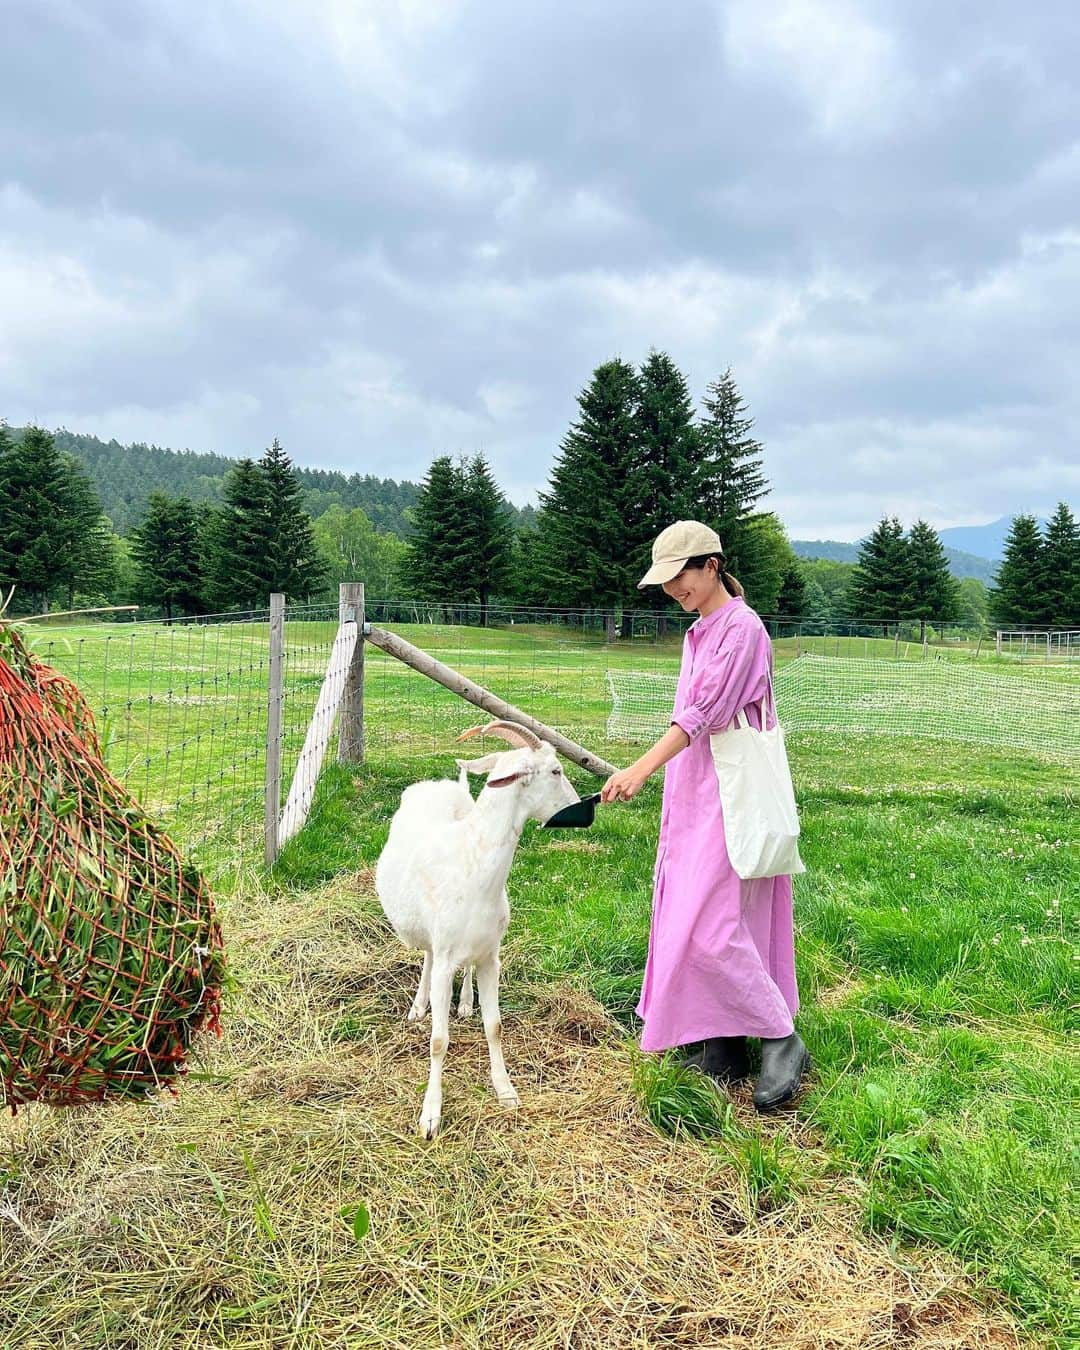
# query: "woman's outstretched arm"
{"type": "Point", "coordinates": [626, 783]}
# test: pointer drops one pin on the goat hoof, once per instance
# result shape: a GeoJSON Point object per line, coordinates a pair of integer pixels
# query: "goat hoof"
{"type": "Point", "coordinates": [430, 1126]}
{"type": "Point", "coordinates": [510, 1100]}
{"type": "Point", "coordinates": [465, 1011]}
{"type": "Point", "coordinates": [417, 1014]}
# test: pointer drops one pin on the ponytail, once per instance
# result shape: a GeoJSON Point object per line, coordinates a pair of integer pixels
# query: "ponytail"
{"type": "Point", "coordinates": [729, 583]}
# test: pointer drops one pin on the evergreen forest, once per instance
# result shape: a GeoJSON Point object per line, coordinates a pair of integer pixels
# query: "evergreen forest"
{"type": "Point", "coordinates": [87, 523]}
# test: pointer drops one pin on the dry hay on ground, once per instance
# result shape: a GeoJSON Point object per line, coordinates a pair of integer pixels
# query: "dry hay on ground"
{"type": "Point", "coordinates": [215, 1219]}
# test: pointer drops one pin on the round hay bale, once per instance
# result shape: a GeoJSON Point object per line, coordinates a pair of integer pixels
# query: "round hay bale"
{"type": "Point", "coordinates": [110, 956]}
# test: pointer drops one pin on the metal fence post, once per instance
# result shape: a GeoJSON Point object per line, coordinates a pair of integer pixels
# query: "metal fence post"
{"type": "Point", "coordinates": [351, 727]}
{"type": "Point", "coordinates": [272, 809]}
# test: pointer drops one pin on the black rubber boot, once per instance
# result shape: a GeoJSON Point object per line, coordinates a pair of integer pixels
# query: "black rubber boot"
{"type": "Point", "coordinates": [783, 1063]}
{"type": "Point", "coordinates": [724, 1058]}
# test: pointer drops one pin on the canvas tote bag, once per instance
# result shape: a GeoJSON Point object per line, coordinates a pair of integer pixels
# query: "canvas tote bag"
{"type": "Point", "coordinates": [761, 824]}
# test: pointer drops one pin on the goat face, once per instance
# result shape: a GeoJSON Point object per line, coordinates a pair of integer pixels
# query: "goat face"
{"type": "Point", "coordinates": [535, 774]}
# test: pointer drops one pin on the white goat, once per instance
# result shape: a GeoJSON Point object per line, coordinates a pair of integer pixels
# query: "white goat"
{"type": "Point", "coordinates": [441, 879]}
{"type": "Point", "coordinates": [428, 801]}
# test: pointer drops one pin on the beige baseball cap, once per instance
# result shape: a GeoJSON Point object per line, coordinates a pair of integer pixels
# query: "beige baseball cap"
{"type": "Point", "coordinates": [671, 548]}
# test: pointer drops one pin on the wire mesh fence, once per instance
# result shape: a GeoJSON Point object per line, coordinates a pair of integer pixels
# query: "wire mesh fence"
{"type": "Point", "coordinates": [907, 638]}
{"type": "Point", "coordinates": [932, 700]}
{"type": "Point", "coordinates": [1043, 646]}
{"type": "Point", "coordinates": [182, 709]}
{"type": "Point", "coordinates": [552, 670]}
{"type": "Point", "coordinates": [183, 705]}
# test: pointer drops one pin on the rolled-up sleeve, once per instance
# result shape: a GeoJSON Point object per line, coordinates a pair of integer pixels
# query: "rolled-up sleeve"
{"type": "Point", "coordinates": [732, 676]}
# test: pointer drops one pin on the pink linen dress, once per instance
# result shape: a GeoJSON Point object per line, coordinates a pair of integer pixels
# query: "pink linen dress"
{"type": "Point", "coordinates": [721, 950]}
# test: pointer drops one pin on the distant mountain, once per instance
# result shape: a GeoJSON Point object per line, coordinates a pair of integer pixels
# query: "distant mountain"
{"type": "Point", "coordinates": [960, 564]}
{"type": "Point", "coordinates": [125, 475]}
{"type": "Point", "coordinates": [832, 549]}
{"type": "Point", "coordinates": [985, 541]}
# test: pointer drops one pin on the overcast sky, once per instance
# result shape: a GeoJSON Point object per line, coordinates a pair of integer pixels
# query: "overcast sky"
{"type": "Point", "coordinates": [385, 231]}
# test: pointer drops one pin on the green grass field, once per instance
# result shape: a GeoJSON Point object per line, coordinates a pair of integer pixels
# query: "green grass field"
{"type": "Point", "coordinates": [183, 709]}
{"type": "Point", "coordinates": [938, 961]}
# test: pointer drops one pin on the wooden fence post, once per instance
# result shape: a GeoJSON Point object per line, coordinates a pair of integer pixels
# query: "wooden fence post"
{"type": "Point", "coordinates": [272, 810]}
{"type": "Point", "coordinates": [351, 726]}
{"type": "Point", "coordinates": [302, 790]}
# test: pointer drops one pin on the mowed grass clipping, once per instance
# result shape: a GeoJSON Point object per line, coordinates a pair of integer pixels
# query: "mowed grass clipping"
{"type": "Point", "coordinates": [284, 1199]}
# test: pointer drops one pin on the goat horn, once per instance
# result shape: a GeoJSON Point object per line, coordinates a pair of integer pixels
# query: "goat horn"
{"type": "Point", "coordinates": [506, 731]}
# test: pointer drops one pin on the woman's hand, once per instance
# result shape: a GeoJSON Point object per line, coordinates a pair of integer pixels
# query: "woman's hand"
{"type": "Point", "coordinates": [627, 783]}
{"type": "Point", "coordinates": [623, 784]}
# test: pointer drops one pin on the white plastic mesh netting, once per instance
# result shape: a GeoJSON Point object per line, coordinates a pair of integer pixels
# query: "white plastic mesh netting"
{"type": "Point", "coordinates": [938, 700]}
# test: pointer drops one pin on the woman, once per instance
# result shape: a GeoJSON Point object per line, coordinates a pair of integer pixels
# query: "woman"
{"type": "Point", "coordinates": [721, 963]}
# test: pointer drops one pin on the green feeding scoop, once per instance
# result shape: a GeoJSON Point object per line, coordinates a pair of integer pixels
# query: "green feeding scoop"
{"type": "Point", "coordinates": [576, 816]}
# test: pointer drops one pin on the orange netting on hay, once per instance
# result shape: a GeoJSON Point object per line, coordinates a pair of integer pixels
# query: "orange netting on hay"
{"type": "Point", "coordinates": [110, 956]}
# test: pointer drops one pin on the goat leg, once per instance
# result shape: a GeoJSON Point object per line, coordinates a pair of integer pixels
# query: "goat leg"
{"type": "Point", "coordinates": [423, 992]}
{"type": "Point", "coordinates": [442, 976]}
{"type": "Point", "coordinates": [487, 984]}
{"type": "Point", "coordinates": [465, 1002]}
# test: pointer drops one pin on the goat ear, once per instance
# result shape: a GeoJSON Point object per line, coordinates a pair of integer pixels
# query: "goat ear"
{"type": "Point", "coordinates": [483, 765]}
{"type": "Point", "coordinates": [505, 782]}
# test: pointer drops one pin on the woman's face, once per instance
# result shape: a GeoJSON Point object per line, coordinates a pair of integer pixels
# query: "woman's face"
{"type": "Point", "coordinates": [694, 586]}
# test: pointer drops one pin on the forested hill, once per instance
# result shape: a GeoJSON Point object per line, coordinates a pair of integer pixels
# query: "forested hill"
{"type": "Point", "coordinates": [960, 564]}
{"type": "Point", "coordinates": [125, 475]}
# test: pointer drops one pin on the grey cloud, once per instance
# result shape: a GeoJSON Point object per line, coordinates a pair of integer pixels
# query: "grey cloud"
{"type": "Point", "coordinates": [382, 232]}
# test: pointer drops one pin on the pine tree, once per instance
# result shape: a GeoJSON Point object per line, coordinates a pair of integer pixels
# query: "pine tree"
{"type": "Point", "coordinates": [792, 602]}
{"type": "Point", "coordinates": [35, 520]}
{"type": "Point", "coordinates": [438, 562]}
{"type": "Point", "coordinates": [292, 564]}
{"type": "Point", "coordinates": [1059, 571]}
{"type": "Point", "coordinates": [581, 547]}
{"type": "Point", "coordinates": [879, 588]}
{"type": "Point", "coordinates": [87, 564]}
{"type": "Point", "coordinates": [661, 486]}
{"type": "Point", "coordinates": [1014, 598]}
{"type": "Point", "coordinates": [933, 590]}
{"type": "Point", "coordinates": [165, 547]}
{"type": "Point", "coordinates": [489, 535]}
{"type": "Point", "coordinates": [729, 478]}
{"type": "Point", "coordinates": [526, 582]}
{"type": "Point", "coordinates": [236, 542]}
